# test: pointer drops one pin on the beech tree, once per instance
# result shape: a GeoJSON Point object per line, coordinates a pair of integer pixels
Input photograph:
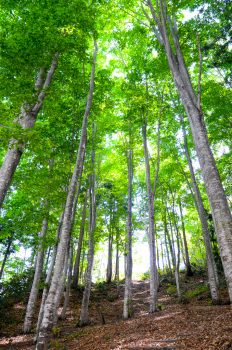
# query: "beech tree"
{"type": "Point", "coordinates": [98, 156]}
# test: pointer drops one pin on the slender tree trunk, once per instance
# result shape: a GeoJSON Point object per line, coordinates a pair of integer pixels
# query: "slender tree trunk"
{"type": "Point", "coordinates": [127, 305]}
{"type": "Point", "coordinates": [60, 290]}
{"type": "Point", "coordinates": [157, 253]}
{"type": "Point", "coordinates": [68, 284]}
{"type": "Point", "coordinates": [177, 267]}
{"type": "Point", "coordinates": [76, 269]}
{"type": "Point", "coordinates": [218, 202]}
{"type": "Point", "coordinates": [109, 263]}
{"type": "Point", "coordinates": [176, 250]}
{"type": "Point", "coordinates": [117, 256]}
{"type": "Point", "coordinates": [82, 266]}
{"type": "Point", "coordinates": [48, 254]}
{"type": "Point", "coordinates": [26, 120]}
{"type": "Point", "coordinates": [49, 277]}
{"type": "Point", "coordinates": [188, 264]}
{"type": "Point", "coordinates": [211, 266]}
{"type": "Point", "coordinates": [49, 307]}
{"type": "Point", "coordinates": [162, 257]}
{"type": "Point", "coordinates": [35, 285]}
{"type": "Point", "coordinates": [166, 248]}
{"type": "Point", "coordinates": [7, 253]}
{"type": "Point", "coordinates": [84, 316]}
{"type": "Point", "coordinates": [168, 240]}
{"type": "Point", "coordinates": [151, 230]}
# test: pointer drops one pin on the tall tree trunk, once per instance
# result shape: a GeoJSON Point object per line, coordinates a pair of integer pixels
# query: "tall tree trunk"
{"type": "Point", "coordinates": [188, 264]}
{"type": "Point", "coordinates": [60, 290]}
{"type": "Point", "coordinates": [127, 304]}
{"type": "Point", "coordinates": [177, 257]}
{"type": "Point", "coordinates": [48, 254]}
{"type": "Point", "coordinates": [168, 240]}
{"type": "Point", "coordinates": [7, 253]}
{"type": "Point", "coordinates": [49, 276]}
{"type": "Point", "coordinates": [84, 316]}
{"type": "Point", "coordinates": [151, 230]}
{"type": "Point", "coordinates": [36, 280]}
{"type": "Point", "coordinates": [76, 269]}
{"type": "Point", "coordinates": [109, 262]}
{"type": "Point", "coordinates": [211, 266]}
{"type": "Point", "coordinates": [218, 202]}
{"type": "Point", "coordinates": [157, 252]}
{"type": "Point", "coordinates": [177, 267]}
{"type": "Point", "coordinates": [26, 120]}
{"type": "Point", "coordinates": [68, 284]}
{"type": "Point", "coordinates": [117, 256]}
{"type": "Point", "coordinates": [49, 307]}
{"type": "Point", "coordinates": [166, 248]}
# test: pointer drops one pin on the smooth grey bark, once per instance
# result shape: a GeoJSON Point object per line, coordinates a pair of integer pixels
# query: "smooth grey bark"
{"type": "Point", "coordinates": [48, 254]}
{"type": "Point", "coordinates": [151, 229]}
{"type": "Point", "coordinates": [157, 252]}
{"type": "Point", "coordinates": [49, 307]}
{"type": "Point", "coordinates": [68, 284]}
{"type": "Point", "coordinates": [36, 280]}
{"type": "Point", "coordinates": [49, 276]}
{"type": "Point", "coordinates": [26, 120]}
{"type": "Point", "coordinates": [116, 275]}
{"type": "Point", "coordinates": [177, 267]}
{"type": "Point", "coordinates": [198, 201]}
{"type": "Point", "coordinates": [109, 270]}
{"type": "Point", "coordinates": [168, 244]}
{"type": "Point", "coordinates": [166, 248]}
{"type": "Point", "coordinates": [7, 253]}
{"type": "Point", "coordinates": [84, 315]}
{"type": "Point", "coordinates": [188, 264]}
{"type": "Point", "coordinates": [177, 257]}
{"type": "Point", "coordinates": [76, 269]}
{"type": "Point", "coordinates": [218, 202]}
{"type": "Point", "coordinates": [175, 250]}
{"type": "Point", "coordinates": [61, 287]}
{"type": "Point", "coordinates": [127, 303]}
{"type": "Point", "coordinates": [82, 266]}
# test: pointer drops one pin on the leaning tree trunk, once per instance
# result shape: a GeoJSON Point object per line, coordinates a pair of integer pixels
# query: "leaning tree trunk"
{"type": "Point", "coordinates": [84, 316]}
{"type": "Point", "coordinates": [35, 285]}
{"type": "Point", "coordinates": [49, 307]}
{"type": "Point", "coordinates": [76, 269]}
{"type": "Point", "coordinates": [218, 202]}
{"type": "Point", "coordinates": [127, 304]}
{"type": "Point", "coordinates": [26, 120]}
{"type": "Point", "coordinates": [151, 230]}
{"type": "Point", "coordinates": [211, 266]}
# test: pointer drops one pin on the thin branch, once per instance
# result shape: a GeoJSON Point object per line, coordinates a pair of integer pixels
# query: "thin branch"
{"type": "Point", "coordinates": [155, 30]}
{"type": "Point", "coordinates": [199, 73]}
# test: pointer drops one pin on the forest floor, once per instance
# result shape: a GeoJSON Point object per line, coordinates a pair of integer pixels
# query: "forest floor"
{"type": "Point", "coordinates": [194, 324]}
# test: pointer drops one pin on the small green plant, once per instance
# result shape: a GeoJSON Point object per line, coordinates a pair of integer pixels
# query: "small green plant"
{"type": "Point", "coordinates": [55, 344]}
{"type": "Point", "coordinates": [56, 332]}
{"type": "Point", "coordinates": [145, 276]}
{"type": "Point", "coordinates": [101, 286]}
{"type": "Point", "coordinates": [200, 289]}
{"type": "Point", "coordinates": [160, 307]}
{"type": "Point", "coordinates": [171, 290]}
{"type": "Point", "coordinates": [112, 297]}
